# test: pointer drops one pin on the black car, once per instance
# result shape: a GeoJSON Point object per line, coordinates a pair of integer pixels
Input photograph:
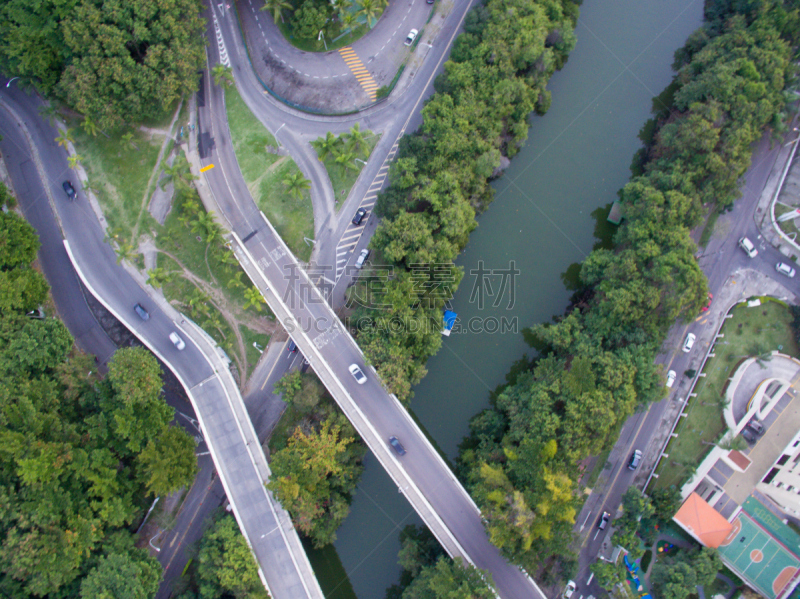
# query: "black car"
{"type": "Point", "coordinates": [143, 314]}
{"type": "Point", "coordinates": [603, 522]}
{"type": "Point", "coordinates": [359, 216]}
{"type": "Point", "coordinates": [749, 436]}
{"type": "Point", "coordinates": [397, 446]}
{"type": "Point", "coordinates": [755, 426]}
{"type": "Point", "coordinates": [292, 347]}
{"type": "Point", "coordinates": [69, 189]}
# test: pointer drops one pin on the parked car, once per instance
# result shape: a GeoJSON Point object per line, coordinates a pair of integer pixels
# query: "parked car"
{"type": "Point", "coordinates": [784, 269]}
{"type": "Point", "coordinates": [636, 457]}
{"type": "Point", "coordinates": [604, 521]}
{"type": "Point", "coordinates": [748, 247]}
{"type": "Point", "coordinates": [671, 376]}
{"type": "Point", "coordinates": [176, 340]}
{"type": "Point", "coordinates": [755, 426]}
{"type": "Point", "coordinates": [749, 436]}
{"type": "Point", "coordinates": [569, 589]}
{"type": "Point", "coordinates": [69, 189]}
{"type": "Point", "coordinates": [362, 257]}
{"type": "Point", "coordinates": [412, 35]}
{"type": "Point", "coordinates": [359, 216]}
{"type": "Point", "coordinates": [688, 343]}
{"type": "Point", "coordinates": [143, 314]}
{"type": "Point", "coordinates": [360, 377]}
{"type": "Point", "coordinates": [397, 446]}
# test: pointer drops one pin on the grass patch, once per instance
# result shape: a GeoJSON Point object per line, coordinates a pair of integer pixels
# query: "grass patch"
{"type": "Point", "coordinates": [749, 332]}
{"type": "Point", "coordinates": [264, 172]}
{"type": "Point", "coordinates": [118, 175]}
{"type": "Point", "coordinates": [284, 429]}
{"type": "Point", "coordinates": [250, 336]}
{"type": "Point", "coordinates": [788, 227]}
{"type": "Point", "coordinates": [708, 230]}
{"type": "Point", "coordinates": [344, 175]}
{"type": "Point", "coordinates": [645, 563]}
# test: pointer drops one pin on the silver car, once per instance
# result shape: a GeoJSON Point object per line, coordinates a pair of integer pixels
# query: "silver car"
{"type": "Point", "coordinates": [360, 377]}
{"type": "Point", "coordinates": [784, 269]}
{"type": "Point", "coordinates": [176, 340]}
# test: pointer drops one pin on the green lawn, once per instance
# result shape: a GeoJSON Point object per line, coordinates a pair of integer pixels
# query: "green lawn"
{"type": "Point", "coordinates": [249, 336]}
{"type": "Point", "coordinates": [342, 176]}
{"type": "Point", "coordinates": [264, 172]}
{"type": "Point", "coordinates": [750, 332]}
{"type": "Point", "coordinates": [118, 175]}
{"type": "Point", "coordinates": [788, 227]}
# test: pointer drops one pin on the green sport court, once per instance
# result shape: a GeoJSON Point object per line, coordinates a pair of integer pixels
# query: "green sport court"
{"type": "Point", "coordinates": [758, 557]}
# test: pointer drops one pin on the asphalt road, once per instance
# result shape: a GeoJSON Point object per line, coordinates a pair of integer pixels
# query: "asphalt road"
{"type": "Point", "coordinates": [720, 259]}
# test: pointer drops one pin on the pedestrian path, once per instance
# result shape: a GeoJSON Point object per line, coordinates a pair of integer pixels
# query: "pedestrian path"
{"type": "Point", "coordinates": [360, 71]}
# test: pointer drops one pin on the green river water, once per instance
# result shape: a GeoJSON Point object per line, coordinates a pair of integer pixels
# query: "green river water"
{"type": "Point", "coordinates": [548, 209]}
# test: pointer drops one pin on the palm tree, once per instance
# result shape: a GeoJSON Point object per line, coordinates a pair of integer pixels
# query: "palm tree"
{"type": "Point", "coordinates": [222, 74]}
{"type": "Point", "coordinates": [179, 174]}
{"type": "Point", "coordinates": [296, 184]}
{"type": "Point", "coordinates": [203, 223]}
{"type": "Point", "coordinates": [89, 126]}
{"type": "Point", "coordinates": [74, 159]}
{"type": "Point", "coordinates": [347, 160]}
{"type": "Point", "coordinates": [348, 21]}
{"type": "Point", "coordinates": [65, 138]}
{"type": "Point", "coordinates": [213, 232]}
{"type": "Point", "coordinates": [325, 146]}
{"type": "Point", "coordinates": [236, 281]}
{"type": "Point", "coordinates": [158, 277]}
{"type": "Point", "coordinates": [369, 8]}
{"type": "Point", "coordinates": [125, 251]}
{"type": "Point", "coordinates": [48, 112]}
{"type": "Point", "coordinates": [127, 139]}
{"type": "Point", "coordinates": [356, 138]}
{"type": "Point", "coordinates": [254, 298]}
{"type": "Point", "coordinates": [276, 7]}
{"type": "Point", "coordinates": [341, 7]}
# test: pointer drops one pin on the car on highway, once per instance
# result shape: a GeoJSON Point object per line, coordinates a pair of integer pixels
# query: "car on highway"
{"type": "Point", "coordinates": [636, 457]}
{"type": "Point", "coordinates": [69, 190]}
{"type": "Point", "coordinates": [176, 340]}
{"type": "Point", "coordinates": [688, 343]}
{"type": "Point", "coordinates": [785, 269]}
{"type": "Point", "coordinates": [291, 347]}
{"type": "Point", "coordinates": [569, 589]}
{"type": "Point", "coordinates": [360, 377]}
{"type": "Point", "coordinates": [397, 446]}
{"type": "Point", "coordinates": [412, 35]}
{"type": "Point", "coordinates": [362, 257]}
{"type": "Point", "coordinates": [748, 247]}
{"type": "Point", "coordinates": [749, 436]}
{"type": "Point", "coordinates": [671, 376]}
{"type": "Point", "coordinates": [143, 314]}
{"type": "Point", "coordinates": [603, 522]}
{"type": "Point", "coordinates": [359, 216]}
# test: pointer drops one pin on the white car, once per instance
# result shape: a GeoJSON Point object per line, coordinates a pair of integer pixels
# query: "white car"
{"type": "Point", "coordinates": [689, 342]}
{"type": "Point", "coordinates": [784, 269]}
{"type": "Point", "coordinates": [360, 377]}
{"type": "Point", "coordinates": [412, 35]}
{"type": "Point", "coordinates": [748, 247]}
{"type": "Point", "coordinates": [569, 590]}
{"type": "Point", "coordinates": [671, 376]}
{"type": "Point", "coordinates": [362, 257]}
{"type": "Point", "coordinates": [176, 340]}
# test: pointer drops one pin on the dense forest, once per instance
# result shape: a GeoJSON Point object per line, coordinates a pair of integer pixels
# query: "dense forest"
{"type": "Point", "coordinates": [117, 62]}
{"type": "Point", "coordinates": [81, 456]}
{"type": "Point", "coordinates": [522, 461]}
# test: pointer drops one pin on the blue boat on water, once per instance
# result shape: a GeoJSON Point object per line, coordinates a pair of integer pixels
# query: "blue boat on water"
{"type": "Point", "coordinates": [449, 321]}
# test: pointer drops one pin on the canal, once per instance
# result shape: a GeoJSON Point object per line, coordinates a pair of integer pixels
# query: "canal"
{"type": "Point", "coordinates": [544, 219]}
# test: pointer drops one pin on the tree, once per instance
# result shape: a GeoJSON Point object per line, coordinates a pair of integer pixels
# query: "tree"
{"type": "Point", "coordinates": [123, 576]}
{"type": "Point", "coordinates": [356, 138]}
{"type": "Point", "coordinates": [74, 159]}
{"type": "Point", "coordinates": [296, 184]}
{"type": "Point", "coordinates": [18, 241]}
{"type": "Point", "coordinates": [127, 139]}
{"type": "Point", "coordinates": [89, 126]}
{"type": "Point", "coordinates": [309, 19]}
{"type": "Point", "coordinates": [254, 298]}
{"type": "Point", "coordinates": [169, 462]}
{"type": "Point", "coordinates": [179, 173]}
{"type": "Point", "coordinates": [608, 575]}
{"type": "Point", "coordinates": [224, 75]}
{"type": "Point", "coordinates": [666, 502]}
{"type": "Point", "coordinates": [449, 579]}
{"type": "Point", "coordinates": [673, 581]}
{"type": "Point", "coordinates": [157, 277]}
{"type": "Point", "coordinates": [369, 9]}
{"type": "Point", "coordinates": [226, 565]}
{"type": "Point", "coordinates": [276, 7]}
{"type": "Point", "coordinates": [65, 138]}
{"type": "Point", "coordinates": [326, 146]}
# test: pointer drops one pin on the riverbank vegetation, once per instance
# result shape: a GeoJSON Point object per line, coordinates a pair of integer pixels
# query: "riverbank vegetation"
{"type": "Point", "coordinates": [80, 453]}
{"type": "Point", "coordinates": [522, 460]}
{"type": "Point", "coordinates": [116, 63]}
{"type": "Point", "coordinates": [316, 460]}
{"type": "Point", "coordinates": [496, 76]}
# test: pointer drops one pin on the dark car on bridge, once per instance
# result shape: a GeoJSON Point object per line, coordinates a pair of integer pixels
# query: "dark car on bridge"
{"type": "Point", "coordinates": [69, 190]}
{"type": "Point", "coordinates": [397, 446]}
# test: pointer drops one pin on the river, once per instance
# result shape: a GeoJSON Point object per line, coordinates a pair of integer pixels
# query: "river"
{"type": "Point", "coordinates": [542, 221]}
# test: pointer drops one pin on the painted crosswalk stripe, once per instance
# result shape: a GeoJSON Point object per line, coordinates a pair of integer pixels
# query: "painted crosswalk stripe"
{"type": "Point", "coordinates": [360, 72]}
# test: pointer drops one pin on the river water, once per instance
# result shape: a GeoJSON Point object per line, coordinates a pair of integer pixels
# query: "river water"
{"type": "Point", "coordinates": [543, 220]}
